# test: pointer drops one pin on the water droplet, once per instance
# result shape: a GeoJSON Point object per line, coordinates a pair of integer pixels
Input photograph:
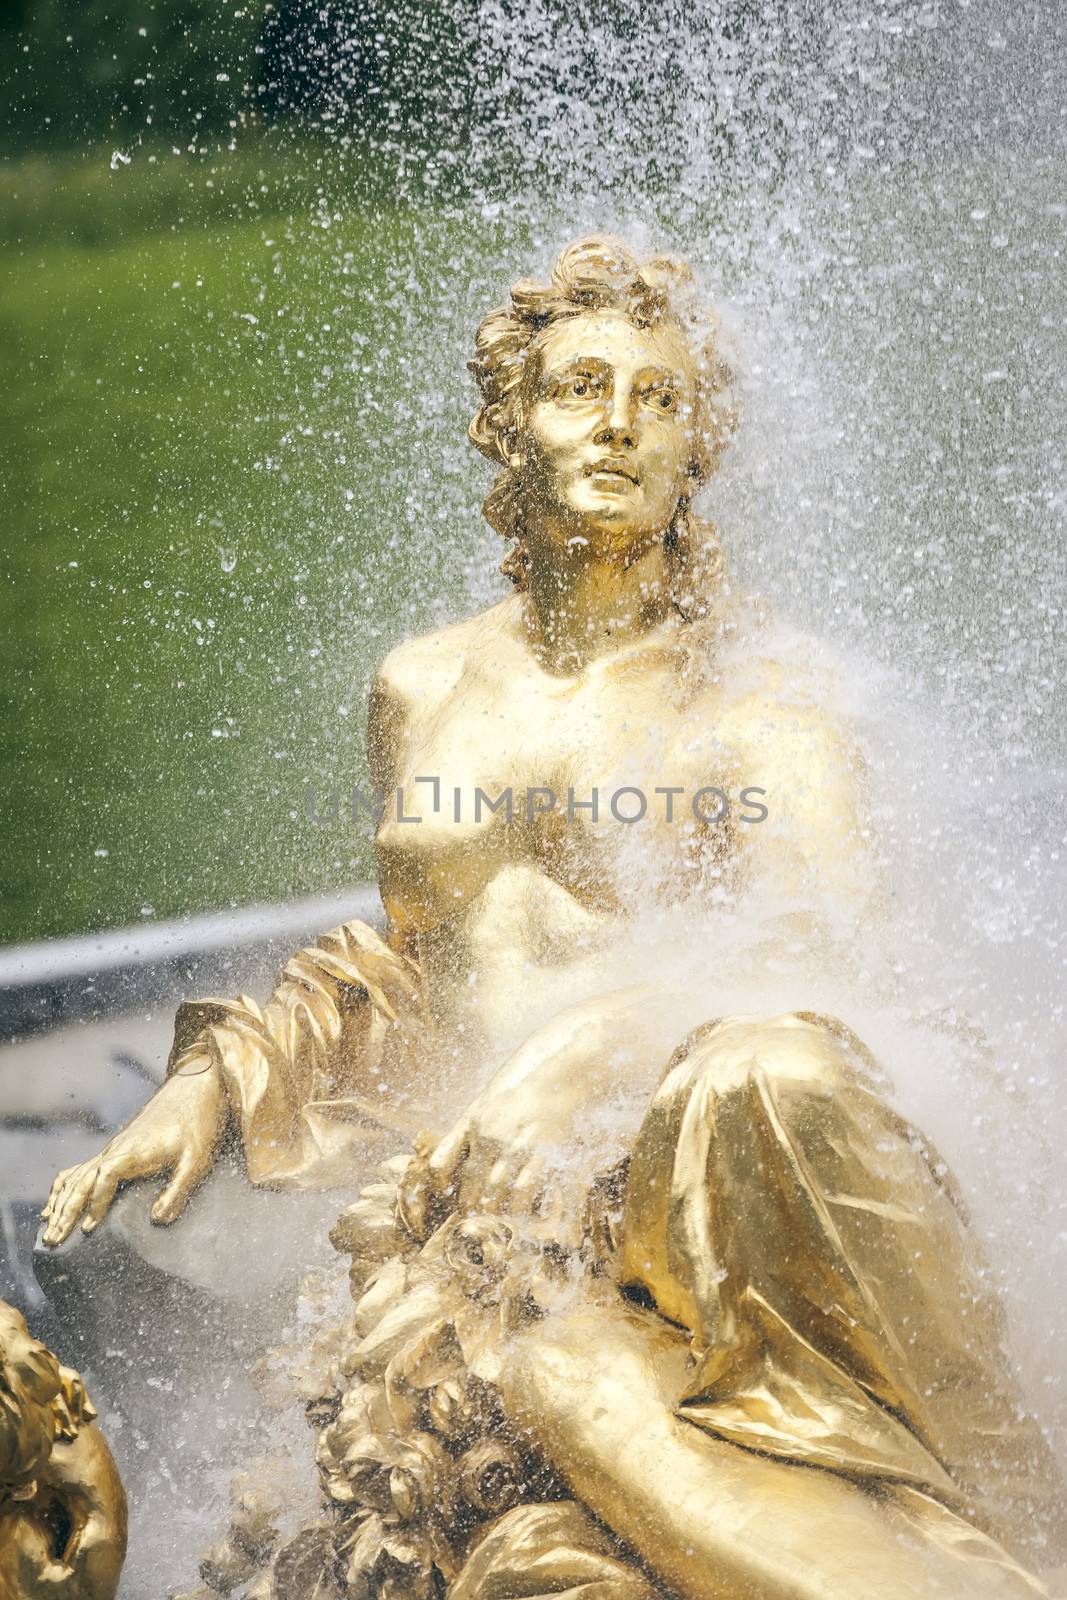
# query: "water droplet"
{"type": "Point", "coordinates": [227, 559]}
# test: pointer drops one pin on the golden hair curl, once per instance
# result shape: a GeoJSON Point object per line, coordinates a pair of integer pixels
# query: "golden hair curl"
{"type": "Point", "coordinates": [593, 274]}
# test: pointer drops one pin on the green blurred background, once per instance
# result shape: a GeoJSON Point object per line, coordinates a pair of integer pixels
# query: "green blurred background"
{"type": "Point", "coordinates": [207, 449]}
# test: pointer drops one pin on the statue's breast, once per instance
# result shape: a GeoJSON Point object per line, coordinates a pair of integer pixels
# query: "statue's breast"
{"type": "Point", "coordinates": [579, 779]}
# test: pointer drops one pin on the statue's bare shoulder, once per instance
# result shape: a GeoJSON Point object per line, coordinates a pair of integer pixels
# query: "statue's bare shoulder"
{"type": "Point", "coordinates": [419, 676]}
{"type": "Point", "coordinates": [783, 717]}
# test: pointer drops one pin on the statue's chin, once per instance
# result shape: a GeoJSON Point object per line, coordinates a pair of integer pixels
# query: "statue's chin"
{"type": "Point", "coordinates": [608, 523]}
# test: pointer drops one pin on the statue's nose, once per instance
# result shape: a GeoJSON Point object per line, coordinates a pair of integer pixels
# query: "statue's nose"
{"type": "Point", "coordinates": [617, 427]}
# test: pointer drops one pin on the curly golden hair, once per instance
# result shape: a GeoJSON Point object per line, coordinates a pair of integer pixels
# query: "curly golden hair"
{"type": "Point", "coordinates": [598, 273]}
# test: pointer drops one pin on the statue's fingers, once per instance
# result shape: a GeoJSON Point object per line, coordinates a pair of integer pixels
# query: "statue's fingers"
{"type": "Point", "coordinates": [526, 1174]}
{"type": "Point", "coordinates": [449, 1155]}
{"type": "Point", "coordinates": [529, 1182]}
{"type": "Point", "coordinates": [55, 1193]}
{"type": "Point", "coordinates": [62, 1187]}
{"type": "Point", "coordinates": [557, 1206]}
{"type": "Point", "coordinates": [511, 1183]}
{"type": "Point", "coordinates": [172, 1201]}
{"type": "Point", "coordinates": [71, 1204]}
{"type": "Point", "coordinates": [495, 1186]}
{"type": "Point", "coordinates": [100, 1196]}
{"type": "Point", "coordinates": [473, 1183]}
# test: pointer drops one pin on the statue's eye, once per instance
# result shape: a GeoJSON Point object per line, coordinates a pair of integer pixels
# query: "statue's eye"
{"type": "Point", "coordinates": [580, 386]}
{"type": "Point", "coordinates": [666, 400]}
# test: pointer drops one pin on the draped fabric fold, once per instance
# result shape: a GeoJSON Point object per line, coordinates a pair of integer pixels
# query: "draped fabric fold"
{"type": "Point", "coordinates": [814, 1246]}
{"type": "Point", "coordinates": [300, 1072]}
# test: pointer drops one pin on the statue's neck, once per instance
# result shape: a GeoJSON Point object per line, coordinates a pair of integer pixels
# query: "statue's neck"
{"type": "Point", "coordinates": [580, 606]}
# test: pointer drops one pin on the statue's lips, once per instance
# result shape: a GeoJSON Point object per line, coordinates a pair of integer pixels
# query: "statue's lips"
{"type": "Point", "coordinates": [619, 470]}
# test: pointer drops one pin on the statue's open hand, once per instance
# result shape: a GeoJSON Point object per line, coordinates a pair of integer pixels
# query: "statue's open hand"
{"type": "Point", "coordinates": [502, 1159]}
{"type": "Point", "coordinates": [176, 1135]}
{"type": "Point", "coordinates": [558, 1112]}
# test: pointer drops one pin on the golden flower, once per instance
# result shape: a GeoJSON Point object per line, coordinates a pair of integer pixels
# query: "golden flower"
{"type": "Point", "coordinates": [371, 1232]}
{"type": "Point", "coordinates": [421, 1207]}
{"type": "Point", "coordinates": [419, 1482]}
{"type": "Point", "coordinates": [478, 1249]}
{"type": "Point", "coordinates": [490, 1477]}
{"type": "Point", "coordinates": [308, 1565]}
{"type": "Point", "coordinates": [227, 1565]}
{"type": "Point", "coordinates": [387, 1562]}
{"type": "Point", "coordinates": [359, 1418]}
{"type": "Point", "coordinates": [451, 1409]}
{"type": "Point", "coordinates": [257, 1499]}
{"type": "Point", "coordinates": [406, 1478]}
{"type": "Point", "coordinates": [366, 1465]}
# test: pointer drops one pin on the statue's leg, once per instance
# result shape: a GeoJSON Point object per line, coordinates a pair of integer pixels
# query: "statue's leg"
{"type": "Point", "coordinates": [814, 1245]}
{"type": "Point", "coordinates": [596, 1388]}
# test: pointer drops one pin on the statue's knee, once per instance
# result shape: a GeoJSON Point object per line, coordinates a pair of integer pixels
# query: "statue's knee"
{"type": "Point", "coordinates": [796, 1046]}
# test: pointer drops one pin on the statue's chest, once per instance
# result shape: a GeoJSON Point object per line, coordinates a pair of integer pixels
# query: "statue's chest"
{"type": "Point", "coordinates": [632, 728]}
{"type": "Point", "coordinates": [549, 777]}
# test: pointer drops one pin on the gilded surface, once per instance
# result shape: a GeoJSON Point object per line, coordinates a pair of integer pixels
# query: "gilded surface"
{"type": "Point", "coordinates": [710, 1322]}
{"type": "Point", "coordinates": [62, 1509]}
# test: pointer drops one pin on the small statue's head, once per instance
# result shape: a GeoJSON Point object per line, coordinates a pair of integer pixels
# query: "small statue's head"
{"type": "Point", "coordinates": [605, 400]}
{"type": "Point", "coordinates": [29, 1388]}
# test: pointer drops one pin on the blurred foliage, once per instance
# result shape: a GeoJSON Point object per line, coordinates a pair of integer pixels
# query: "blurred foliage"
{"type": "Point", "coordinates": [81, 69]}
{"type": "Point", "coordinates": [177, 70]}
{"type": "Point", "coordinates": [82, 197]}
{"type": "Point", "coordinates": [402, 73]}
{"type": "Point", "coordinates": [191, 598]}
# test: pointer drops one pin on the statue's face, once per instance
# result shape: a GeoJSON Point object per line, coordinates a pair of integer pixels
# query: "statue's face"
{"type": "Point", "coordinates": [608, 436]}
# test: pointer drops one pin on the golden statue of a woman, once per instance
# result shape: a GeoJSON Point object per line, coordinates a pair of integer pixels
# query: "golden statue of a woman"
{"type": "Point", "coordinates": [709, 1321]}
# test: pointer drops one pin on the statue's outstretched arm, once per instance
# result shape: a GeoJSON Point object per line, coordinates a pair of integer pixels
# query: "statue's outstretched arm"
{"type": "Point", "coordinates": [263, 1072]}
{"type": "Point", "coordinates": [176, 1135]}
{"type": "Point", "coordinates": [308, 1060]}
{"type": "Point", "coordinates": [259, 1073]}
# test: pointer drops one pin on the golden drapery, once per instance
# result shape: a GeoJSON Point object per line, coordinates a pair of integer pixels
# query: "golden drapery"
{"type": "Point", "coordinates": [843, 1412]}
{"type": "Point", "coordinates": [299, 1072]}
{"type": "Point", "coordinates": [814, 1245]}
